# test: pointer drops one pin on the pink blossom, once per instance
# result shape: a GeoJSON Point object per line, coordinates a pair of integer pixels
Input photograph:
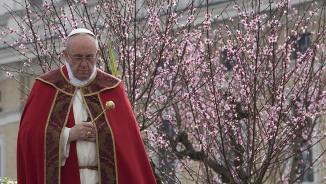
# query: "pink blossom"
{"type": "Point", "coordinates": [46, 5]}
{"type": "Point", "coordinates": [9, 75]}
{"type": "Point", "coordinates": [83, 2]}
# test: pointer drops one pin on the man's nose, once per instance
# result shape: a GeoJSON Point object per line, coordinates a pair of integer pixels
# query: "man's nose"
{"type": "Point", "coordinates": [84, 62]}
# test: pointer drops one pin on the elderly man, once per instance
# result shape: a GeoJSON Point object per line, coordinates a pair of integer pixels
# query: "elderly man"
{"type": "Point", "coordinates": [57, 143]}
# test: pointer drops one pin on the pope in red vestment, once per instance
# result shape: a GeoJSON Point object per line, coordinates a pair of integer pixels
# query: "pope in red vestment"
{"type": "Point", "coordinates": [48, 111]}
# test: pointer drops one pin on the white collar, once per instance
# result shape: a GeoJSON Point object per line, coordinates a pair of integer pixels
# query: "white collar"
{"type": "Point", "coordinates": [76, 81]}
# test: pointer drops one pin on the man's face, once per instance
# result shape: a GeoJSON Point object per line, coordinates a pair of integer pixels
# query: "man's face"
{"type": "Point", "coordinates": [81, 45]}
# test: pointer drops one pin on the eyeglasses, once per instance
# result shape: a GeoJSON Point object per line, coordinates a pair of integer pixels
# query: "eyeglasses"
{"type": "Point", "coordinates": [81, 59]}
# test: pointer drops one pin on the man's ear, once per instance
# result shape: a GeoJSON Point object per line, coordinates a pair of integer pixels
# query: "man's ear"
{"type": "Point", "coordinates": [64, 53]}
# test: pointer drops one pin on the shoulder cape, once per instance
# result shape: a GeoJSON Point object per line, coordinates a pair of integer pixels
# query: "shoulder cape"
{"type": "Point", "coordinates": [121, 155]}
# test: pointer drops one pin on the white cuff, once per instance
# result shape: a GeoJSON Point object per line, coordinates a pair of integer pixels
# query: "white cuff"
{"type": "Point", "coordinates": [65, 146]}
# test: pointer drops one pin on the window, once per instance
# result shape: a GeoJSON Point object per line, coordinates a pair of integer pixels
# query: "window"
{"type": "Point", "coordinates": [302, 44]}
{"type": "Point", "coordinates": [229, 59]}
{"type": "Point", "coordinates": [166, 164]}
{"type": "Point", "coordinates": [305, 160]}
{"type": "Point", "coordinates": [167, 65]}
{"type": "Point", "coordinates": [305, 157]}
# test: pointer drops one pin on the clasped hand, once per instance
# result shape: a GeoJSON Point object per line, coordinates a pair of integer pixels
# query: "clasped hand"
{"type": "Point", "coordinates": [79, 132]}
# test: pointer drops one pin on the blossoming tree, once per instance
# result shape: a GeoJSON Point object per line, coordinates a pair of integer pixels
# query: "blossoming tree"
{"type": "Point", "coordinates": [233, 94]}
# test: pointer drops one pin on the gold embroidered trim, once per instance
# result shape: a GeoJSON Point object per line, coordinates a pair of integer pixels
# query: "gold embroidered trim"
{"type": "Point", "coordinates": [54, 86]}
{"type": "Point", "coordinates": [98, 153]}
{"type": "Point", "coordinates": [96, 93]}
{"type": "Point", "coordinates": [64, 76]}
{"type": "Point", "coordinates": [114, 150]}
{"type": "Point", "coordinates": [46, 127]}
{"type": "Point", "coordinates": [73, 95]}
{"type": "Point", "coordinates": [62, 130]}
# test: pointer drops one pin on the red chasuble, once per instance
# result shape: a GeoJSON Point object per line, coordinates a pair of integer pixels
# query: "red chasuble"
{"type": "Point", "coordinates": [121, 154]}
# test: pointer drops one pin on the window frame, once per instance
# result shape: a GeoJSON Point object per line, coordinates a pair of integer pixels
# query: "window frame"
{"type": "Point", "coordinates": [299, 47]}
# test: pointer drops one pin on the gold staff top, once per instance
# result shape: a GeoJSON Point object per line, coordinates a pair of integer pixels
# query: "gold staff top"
{"type": "Point", "coordinates": [109, 105]}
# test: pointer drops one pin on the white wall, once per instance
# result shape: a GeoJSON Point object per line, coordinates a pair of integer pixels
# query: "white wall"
{"type": "Point", "coordinates": [9, 3]}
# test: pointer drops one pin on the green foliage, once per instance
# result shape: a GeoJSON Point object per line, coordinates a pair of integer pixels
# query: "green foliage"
{"type": "Point", "coordinates": [112, 62]}
{"type": "Point", "coordinates": [6, 180]}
